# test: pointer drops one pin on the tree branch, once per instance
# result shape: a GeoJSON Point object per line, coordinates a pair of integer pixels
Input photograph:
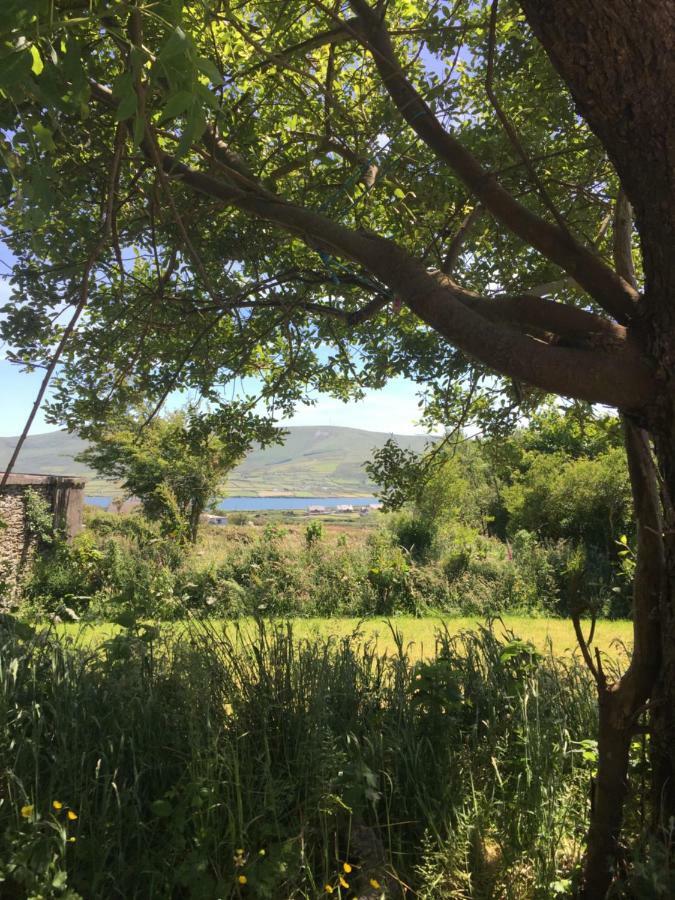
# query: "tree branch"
{"type": "Point", "coordinates": [623, 239]}
{"type": "Point", "coordinates": [616, 377]}
{"type": "Point", "coordinates": [457, 243]}
{"type": "Point", "coordinates": [599, 280]}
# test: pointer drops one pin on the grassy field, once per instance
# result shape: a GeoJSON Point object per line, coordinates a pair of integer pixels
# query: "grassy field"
{"type": "Point", "coordinates": [258, 764]}
{"type": "Point", "coordinates": [613, 638]}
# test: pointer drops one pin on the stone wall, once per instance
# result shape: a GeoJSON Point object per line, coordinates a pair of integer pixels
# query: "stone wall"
{"type": "Point", "coordinates": [65, 497]}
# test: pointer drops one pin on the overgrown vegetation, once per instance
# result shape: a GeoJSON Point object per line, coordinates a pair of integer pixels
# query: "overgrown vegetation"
{"type": "Point", "coordinates": [531, 530]}
{"type": "Point", "coordinates": [175, 464]}
{"type": "Point", "coordinates": [251, 764]}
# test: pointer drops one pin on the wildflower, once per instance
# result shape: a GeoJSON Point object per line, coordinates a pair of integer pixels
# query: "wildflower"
{"type": "Point", "coordinates": [261, 852]}
{"type": "Point", "coordinates": [27, 811]}
{"type": "Point", "coordinates": [57, 804]}
{"type": "Point", "coordinates": [328, 888]}
{"type": "Point", "coordinates": [242, 879]}
{"type": "Point", "coordinates": [374, 883]}
{"type": "Point", "coordinates": [347, 868]}
{"type": "Point", "coordinates": [344, 882]}
{"type": "Point", "coordinates": [239, 852]}
{"type": "Point", "coordinates": [72, 815]}
{"type": "Point", "coordinates": [71, 840]}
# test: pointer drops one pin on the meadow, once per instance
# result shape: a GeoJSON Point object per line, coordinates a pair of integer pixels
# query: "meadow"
{"type": "Point", "coordinates": [419, 636]}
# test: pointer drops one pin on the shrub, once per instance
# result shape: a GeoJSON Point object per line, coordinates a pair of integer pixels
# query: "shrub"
{"type": "Point", "coordinates": [313, 534]}
{"type": "Point", "coordinates": [414, 534]}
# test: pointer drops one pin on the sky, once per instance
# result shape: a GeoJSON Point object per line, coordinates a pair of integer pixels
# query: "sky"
{"type": "Point", "coordinates": [393, 409]}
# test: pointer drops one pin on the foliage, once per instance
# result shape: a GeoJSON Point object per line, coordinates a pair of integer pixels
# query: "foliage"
{"type": "Point", "coordinates": [39, 518]}
{"type": "Point", "coordinates": [313, 534]}
{"type": "Point", "coordinates": [175, 465]}
{"type": "Point", "coordinates": [186, 290]}
{"type": "Point", "coordinates": [252, 753]}
{"type": "Point", "coordinates": [583, 500]}
{"type": "Point", "coordinates": [556, 490]}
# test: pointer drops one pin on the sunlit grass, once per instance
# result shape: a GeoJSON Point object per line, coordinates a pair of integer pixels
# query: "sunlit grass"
{"type": "Point", "coordinates": [613, 638]}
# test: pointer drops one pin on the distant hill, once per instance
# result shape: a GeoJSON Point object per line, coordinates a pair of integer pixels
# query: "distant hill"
{"type": "Point", "coordinates": [313, 461]}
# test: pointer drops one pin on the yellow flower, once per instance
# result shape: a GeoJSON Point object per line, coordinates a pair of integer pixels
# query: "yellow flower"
{"type": "Point", "coordinates": [347, 868]}
{"type": "Point", "coordinates": [71, 840]}
{"type": "Point", "coordinates": [27, 811]}
{"type": "Point", "coordinates": [57, 804]}
{"type": "Point", "coordinates": [261, 852]}
{"type": "Point", "coordinates": [344, 882]}
{"type": "Point", "coordinates": [72, 815]}
{"type": "Point", "coordinates": [239, 852]}
{"type": "Point", "coordinates": [242, 879]}
{"type": "Point", "coordinates": [328, 888]}
{"type": "Point", "coordinates": [374, 883]}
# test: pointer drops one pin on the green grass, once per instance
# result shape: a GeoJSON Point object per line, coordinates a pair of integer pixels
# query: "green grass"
{"type": "Point", "coordinates": [291, 763]}
{"type": "Point", "coordinates": [419, 636]}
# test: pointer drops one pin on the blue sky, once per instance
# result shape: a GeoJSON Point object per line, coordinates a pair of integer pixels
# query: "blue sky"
{"type": "Point", "coordinates": [393, 409]}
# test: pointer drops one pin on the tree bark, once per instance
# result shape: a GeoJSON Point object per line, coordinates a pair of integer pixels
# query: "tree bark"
{"type": "Point", "coordinates": [621, 703]}
{"type": "Point", "coordinates": [663, 712]}
{"type": "Point", "coordinates": [609, 794]}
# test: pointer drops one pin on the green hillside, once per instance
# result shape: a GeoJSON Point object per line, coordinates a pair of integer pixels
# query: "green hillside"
{"type": "Point", "coordinates": [313, 461]}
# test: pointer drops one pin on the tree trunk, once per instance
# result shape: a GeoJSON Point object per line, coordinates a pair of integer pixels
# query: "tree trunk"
{"type": "Point", "coordinates": [196, 510]}
{"type": "Point", "coordinates": [609, 794]}
{"type": "Point", "coordinates": [622, 702]}
{"type": "Point", "coordinates": [663, 712]}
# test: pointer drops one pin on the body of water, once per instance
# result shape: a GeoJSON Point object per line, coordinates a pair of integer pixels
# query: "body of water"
{"type": "Point", "coordinates": [250, 504]}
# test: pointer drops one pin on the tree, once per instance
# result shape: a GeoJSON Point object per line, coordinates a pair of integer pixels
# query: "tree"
{"type": "Point", "coordinates": [322, 194]}
{"type": "Point", "coordinates": [175, 465]}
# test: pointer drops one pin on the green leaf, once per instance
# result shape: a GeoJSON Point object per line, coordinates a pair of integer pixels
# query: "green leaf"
{"type": "Point", "coordinates": [60, 880]}
{"type": "Point", "coordinates": [176, 104]}
{"type": "Point", "coordinates": [208, 67]}
{"type": "Point", "coordinates": [128, 106]}
{"type": "Point", "coordinates": [194, 129]}
{"type": "Point", "coordinates": [44, 137]}
{"type": "Point", "coordinates": [176, 44]}
{"type": "Point", "coordinates": [38, 64]}
{"type": "Point", "coordinates": [15, 67]}
{"type": "Point", "coordinates": [161, 808]}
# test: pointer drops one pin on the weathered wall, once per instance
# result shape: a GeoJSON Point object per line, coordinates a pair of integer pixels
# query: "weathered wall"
{"type": "Point", "coordinates": [65, 497]}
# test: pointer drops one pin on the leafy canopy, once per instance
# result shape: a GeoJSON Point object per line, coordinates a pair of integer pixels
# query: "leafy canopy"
{"type": "Point", "coordinates": [176, 289]}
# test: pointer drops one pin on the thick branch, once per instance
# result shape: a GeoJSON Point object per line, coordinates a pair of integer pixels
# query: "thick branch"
{"type": "Point", "coordinates": [637, 682]}
{"type": "Point", "coordinates": [588, 270]}
{"type": "Point", "coordinates": [623, 239]}
{"type": "Point", "coordinates": [615, 378]}
{"type": "Point", "coordinates": [531, 311]}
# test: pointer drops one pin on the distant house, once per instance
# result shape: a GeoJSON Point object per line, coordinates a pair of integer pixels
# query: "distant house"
{"type": "Point", "coordinates": [374, 507]}
{"type": "Point", "coordinates": [316, 510]}
{"type": "Point", "coordinates": [214, 520]}
{"type": "Point", "coordinates": [345, 508]}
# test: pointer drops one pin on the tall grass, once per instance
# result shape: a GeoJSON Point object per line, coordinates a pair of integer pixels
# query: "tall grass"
{"type": "Point", "coordinates": [251, 763]}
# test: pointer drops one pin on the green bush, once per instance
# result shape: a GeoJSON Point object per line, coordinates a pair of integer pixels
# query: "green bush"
{"type": "Point", "coordinates": [414, 534]}
{"type": "Point", "coordinates": [109, 567]}
{"type": "Point", "coordinates": [122, 562]}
